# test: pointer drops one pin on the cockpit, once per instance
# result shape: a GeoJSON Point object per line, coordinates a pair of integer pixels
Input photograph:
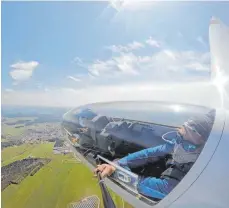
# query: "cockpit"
{"type": "Point", "coordinates": [106, 132]}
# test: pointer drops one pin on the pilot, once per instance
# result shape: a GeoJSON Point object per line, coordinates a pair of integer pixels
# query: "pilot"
{"type": "Point", "coordinates": [183, 150]}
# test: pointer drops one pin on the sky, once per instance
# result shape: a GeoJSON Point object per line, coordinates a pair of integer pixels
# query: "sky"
{"type": "Point", "coordinates": [72, 53]}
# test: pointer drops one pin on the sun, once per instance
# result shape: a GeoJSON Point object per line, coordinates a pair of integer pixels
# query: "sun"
{"type": "Point", "coordinates": [132, 5]}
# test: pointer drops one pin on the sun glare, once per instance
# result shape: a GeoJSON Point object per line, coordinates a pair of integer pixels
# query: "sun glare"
{"type": "Point", "coordinates": [220, 82]}
{"type": "Point", "coordinates": [176, 108]}
{"type": "Point", "coordinates": [130, 4]}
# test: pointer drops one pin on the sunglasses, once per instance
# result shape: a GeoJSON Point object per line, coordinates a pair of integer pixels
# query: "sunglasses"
{"type": "Point", "coordinates": [188, 145]}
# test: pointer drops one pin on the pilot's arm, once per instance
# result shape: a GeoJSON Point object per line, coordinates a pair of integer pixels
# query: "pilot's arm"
{"type": "Point", "coordinates": [145, 156]}
{"type": "Point", "coordinates": [137, 159]}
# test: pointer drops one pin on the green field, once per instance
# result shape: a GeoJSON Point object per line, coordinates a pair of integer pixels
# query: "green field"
{"type": "Point", "coordinates": [7, 129]}
{"type": "Point", "coordinates": [11, 130]}
{"type": "Point", "coordinates": [12, 154]}
{"type": "Point", "coordinates": [55, 185]}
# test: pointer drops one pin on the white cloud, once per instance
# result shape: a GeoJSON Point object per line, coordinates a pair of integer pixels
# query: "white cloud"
{"type": "Point", "coordinates": [127, 48]}
{"type": "Point", "coordinates": [198, 66]}
{"type": "Point", "coordinates": [117, 48]}
{"type": "Point", "coordinates": [91, 76]}
{"type": "Point", "coordinates": [160, 66]}
{"type": "Point", "coordinates": [77, 59]}
{"type": "Point", "coordinates": [80, 62]}
{"type": "Point", "coordinates": [22, 71]}
{"type": "Point", "coordinates": [164, 65]}
{"type": "Point", "coordinates": [135, 45]}
{"type": "Point", "coordinates": [25, 65]}
{"type": "Point", "coordinates": [125, 64]}
{"type": "Point", "coordinates": [181, 60]}
{"type": "Point", "coordinates": [74, 78]}
{"type": "Point", "coordinates": [154, 43]}
{"type": "Point", "coordinates": [21, 75]}
{"type": "Point", "coordinates": [99, 67]}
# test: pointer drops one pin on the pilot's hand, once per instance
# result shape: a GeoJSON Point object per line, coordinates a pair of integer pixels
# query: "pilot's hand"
{"type": "Point", "coordinates": [105, 169]}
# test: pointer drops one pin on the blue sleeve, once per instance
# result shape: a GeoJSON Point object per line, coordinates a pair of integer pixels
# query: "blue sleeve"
{"type": "Point", "coordinates": [145, 156]}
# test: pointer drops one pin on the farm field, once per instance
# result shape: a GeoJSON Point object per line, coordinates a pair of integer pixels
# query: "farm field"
{"type": "Point", "coordinates": [56, 185]}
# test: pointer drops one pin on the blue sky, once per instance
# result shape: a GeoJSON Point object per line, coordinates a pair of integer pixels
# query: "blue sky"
{"type": "Point", "coordinates": [52, 51]}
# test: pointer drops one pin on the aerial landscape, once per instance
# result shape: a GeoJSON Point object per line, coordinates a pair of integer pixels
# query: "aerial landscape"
{"type": "Point", "coordinates": [38, 168]}
{"type": "Point", "coordinates": [114, 104]}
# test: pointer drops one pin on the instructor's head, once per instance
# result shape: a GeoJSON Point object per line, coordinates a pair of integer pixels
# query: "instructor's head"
{"type": "Point", "coordinates": [196, 130]}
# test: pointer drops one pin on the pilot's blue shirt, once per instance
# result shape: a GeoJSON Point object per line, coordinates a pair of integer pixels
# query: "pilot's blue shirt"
{"type": "Point", "coordinates": [151, 186]}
